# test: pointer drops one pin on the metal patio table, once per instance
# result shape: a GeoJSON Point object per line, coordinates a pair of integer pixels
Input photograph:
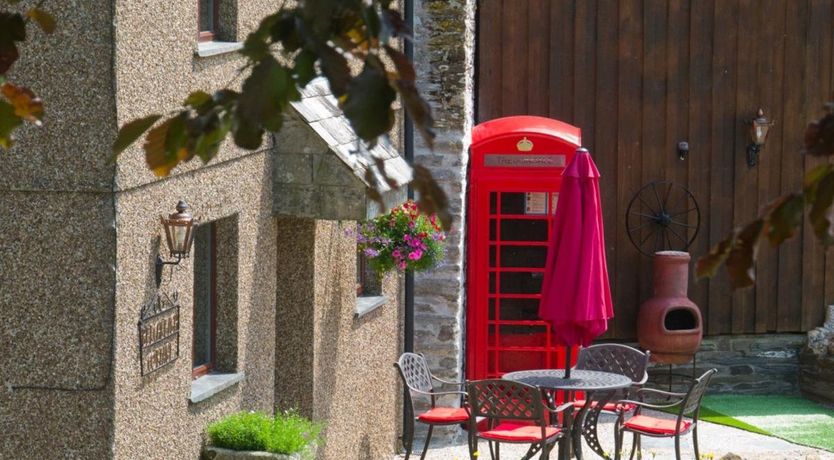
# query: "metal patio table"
{"type": "Point", "coordinates": [598, 386]}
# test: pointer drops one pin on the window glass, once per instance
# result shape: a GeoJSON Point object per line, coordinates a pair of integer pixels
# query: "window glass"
{"type": "Point", "coordinates": [206, 12]}
{"type": "Point", "coordinates": [205, 275]}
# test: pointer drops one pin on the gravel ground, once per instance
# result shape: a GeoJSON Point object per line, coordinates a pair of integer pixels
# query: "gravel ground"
{"type": "Point", "coordinates": [715, 441]}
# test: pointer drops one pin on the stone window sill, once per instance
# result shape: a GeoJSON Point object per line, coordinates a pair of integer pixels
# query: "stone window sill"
{"type": "Point", "coordinates": [206, 49]}
{"type": "Point", "coordinates": [365, 305]}
{"type": "Point", "coordinates": [210, 384]}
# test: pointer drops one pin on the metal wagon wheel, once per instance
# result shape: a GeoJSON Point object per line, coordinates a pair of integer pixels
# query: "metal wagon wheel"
{"type": "Point", "coordinates": [662, 216]}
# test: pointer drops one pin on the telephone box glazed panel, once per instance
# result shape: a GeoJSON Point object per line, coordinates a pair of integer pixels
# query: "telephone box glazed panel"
{"type": "Point", "coordinates": [516, 166]}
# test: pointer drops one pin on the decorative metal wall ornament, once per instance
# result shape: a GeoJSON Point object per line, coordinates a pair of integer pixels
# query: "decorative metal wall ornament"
{"type": "Point", "coordinates": [662, 216]}
{"type": "Point", "coordinates": [159, 333]}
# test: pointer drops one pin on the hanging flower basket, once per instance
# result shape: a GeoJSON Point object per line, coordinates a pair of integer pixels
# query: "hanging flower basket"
{"type": "Point", "coordinates": [404, 239]}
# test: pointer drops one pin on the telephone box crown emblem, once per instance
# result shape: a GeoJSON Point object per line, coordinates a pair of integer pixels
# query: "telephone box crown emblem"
{"type": "Point", "coordinates": [524, 145]}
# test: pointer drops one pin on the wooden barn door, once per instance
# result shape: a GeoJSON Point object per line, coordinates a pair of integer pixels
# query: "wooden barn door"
{"type": "Point", "coordinates": [638, 76]}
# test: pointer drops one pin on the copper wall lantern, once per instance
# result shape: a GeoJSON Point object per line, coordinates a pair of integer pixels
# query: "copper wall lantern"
{"type": "Point", "coordinates": [179, 234]}
{"type": "Point", "coordinates": [759, 129]}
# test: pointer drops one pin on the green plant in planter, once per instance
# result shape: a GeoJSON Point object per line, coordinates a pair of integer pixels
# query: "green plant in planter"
{"type": "Point", "coordinates": [285, 433]}
{"type": "Point", "coordinates": [404, 239]}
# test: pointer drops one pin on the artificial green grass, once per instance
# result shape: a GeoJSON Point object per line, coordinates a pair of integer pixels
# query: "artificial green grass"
{"type": "Point", "coordinates": [285, 433]}
{"type": "Point", "coordinates": [791, 418]}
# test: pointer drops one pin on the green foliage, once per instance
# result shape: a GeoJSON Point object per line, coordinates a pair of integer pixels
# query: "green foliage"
{"type": "Point", "coordinates": [288, 49]}
{"type": "Point", "coordinates": [783, 218]}
{"type": "Point", "coordinates": [403, 239]}
{"type": "Point", "coordinates": [285, 433]}
{"type": "Point", "coordinates": [20, 103]}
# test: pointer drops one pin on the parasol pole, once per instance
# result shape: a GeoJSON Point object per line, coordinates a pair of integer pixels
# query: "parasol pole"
{"type": "Point", "coordinates": [567, 361]}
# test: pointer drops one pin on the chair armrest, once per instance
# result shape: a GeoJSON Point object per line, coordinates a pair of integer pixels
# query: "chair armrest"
{"type": "Point", "coordinates": [567, 405]}
{"type": "Point", "coordinates": [651, 406]}
{"type": "Point", "coordinates": [642, 381]}
{"type": "Point", "coordinates": [448, 382]}
{"type": "Point", "coordinates": [659, 392]}
{"type": "Point", "coordinates": [438, 393]}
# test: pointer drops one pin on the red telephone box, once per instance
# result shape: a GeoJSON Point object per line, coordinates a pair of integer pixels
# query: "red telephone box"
{"type": "Point", "coordinates": [516, 166]}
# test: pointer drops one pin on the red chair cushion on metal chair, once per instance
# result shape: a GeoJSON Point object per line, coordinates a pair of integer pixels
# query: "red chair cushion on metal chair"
{"type": "Point", "coordinates": [609, 407]}
{"type": "Point", "coordinates": [655, 425]}
{"type": "Point", "coordinates": [516, 432]}
{"type": "Point", "coordinates": [444, 415]}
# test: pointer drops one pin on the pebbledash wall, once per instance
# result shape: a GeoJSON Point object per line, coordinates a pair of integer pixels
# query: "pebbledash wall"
{"type": "Point", "coordinates": [78, 239]}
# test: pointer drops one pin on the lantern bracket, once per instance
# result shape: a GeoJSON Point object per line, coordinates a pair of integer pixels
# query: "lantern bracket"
{"type": "Point", "coordinates": [161, 263]}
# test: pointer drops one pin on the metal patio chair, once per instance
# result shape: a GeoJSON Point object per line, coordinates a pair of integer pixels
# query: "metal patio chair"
{"type": "Point", "coordinates": [516, 413]}
{"type": "Point", "coordinates": [686, 420]}
{"type": "Point", "coordinates": [618, 359]}
{"type": "Point", "coordinates": [417, 377]}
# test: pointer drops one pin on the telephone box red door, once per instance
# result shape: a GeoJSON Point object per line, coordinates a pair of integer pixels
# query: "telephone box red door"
{"type": "Point", "coordinates": [516, 166]}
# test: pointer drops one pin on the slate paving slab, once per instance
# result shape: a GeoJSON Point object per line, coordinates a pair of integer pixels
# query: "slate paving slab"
{"type": "Point", "coordinates": [715, 441]}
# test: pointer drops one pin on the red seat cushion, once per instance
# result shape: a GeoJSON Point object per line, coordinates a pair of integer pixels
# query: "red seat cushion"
{"type": "Point", "coordinates": [516, 432]}
{"type": "Point", "coordinates": [444, 415]}
{"type": "Point", "coordinates": [655, 425]}
{"type": "Point", "coordinates": [610, 407]}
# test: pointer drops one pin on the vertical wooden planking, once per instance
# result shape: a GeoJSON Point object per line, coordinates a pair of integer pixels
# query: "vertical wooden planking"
{"type": "Point", "coordinates": [788, 305]}
{"type": "Point", "coordinates": [770, 80]}
{"type": "Point", "coordinates": [514, 33]}
{"type": "Point", "coordinates": [677, 111]}
{"type": "Point", "coordinates": [829, 255]}
{"type": "Point", "coordinates": [562, 13]}
{"type": "Point", "coordinates": [722, 153]}
{"type": "Point", "coordinates": [815, 58]}
{"type": "Point", "coordinates": [746, 179]}
{"type": "Point", "coordinates": [489, 60]}
{"type": "Point", "coordinates": [700, 138]}
{"type": "Point", "coordinates": [655, 42]}
{"type": "Point", "coordinates": [538, 64]}
{"type": "Point", "coordinates": [629, 149]}
{"type": "Point", "coordinates": [584, 69]}
{"type": "Point", "coordinates": [605, 139]}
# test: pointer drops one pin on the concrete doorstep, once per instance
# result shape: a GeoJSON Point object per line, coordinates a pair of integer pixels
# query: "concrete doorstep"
{"type": "Point", "coordinates": [714, 441]}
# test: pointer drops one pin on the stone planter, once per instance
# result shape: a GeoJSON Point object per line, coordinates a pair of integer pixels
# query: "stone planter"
{"type": "Point", "coordinates": [816, 362]}
{"type": "Point", "coordinates": [219, 453]}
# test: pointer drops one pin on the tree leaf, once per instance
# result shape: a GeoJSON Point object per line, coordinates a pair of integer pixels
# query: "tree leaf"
{"type": "Point", "coordinates": [707, 266]}
{"type": "Point", "coordinates": [785, 218]}
{"type": "Point", "coordinates": [197, 100]}
{"type": "Point", "coordinates": [433, 199]}
{"type": "Point", "coordinates": [369, 99]}
{"type": "Point", "coordinates": [26, 105]}
{"type": "Point", "coordinates": [155, 155]}
{"type": "Point", "coordinates": [246, 135]}
{"type": "Point", "coordinates": [821, 210]}
{"type": "Point", "coordinates": [741, 261]}
{"type": "Point", "coordinates": [175, 138]}
{"type": "Point", "coordinates": [305, 67]}
{"type": "Point", "coordinates": [265, 95]}
{"type": "Point", "coordinates": [44, 19]}
{"type": "Point", "coordinates": [8, 122]}
{"type": "Point", "coordinates": [334, 66]}
{"type": "Point", "coordinates": [12, 29]}
{"type": "Point", "coordinates": [131, 131]}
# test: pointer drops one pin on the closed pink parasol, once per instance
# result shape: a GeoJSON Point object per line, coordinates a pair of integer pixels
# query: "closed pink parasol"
{"type": "Point", "coordinates": [576, 296]}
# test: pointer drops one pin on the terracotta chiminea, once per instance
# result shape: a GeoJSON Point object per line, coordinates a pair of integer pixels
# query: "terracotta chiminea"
{"type": "Point", "coordinates": [669, 324]}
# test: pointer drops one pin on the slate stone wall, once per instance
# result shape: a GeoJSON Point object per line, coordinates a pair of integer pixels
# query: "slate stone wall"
{"type": "Point", "coordinates": [444, 61]}
{"type": "Point", "coordinates": [748, 364]}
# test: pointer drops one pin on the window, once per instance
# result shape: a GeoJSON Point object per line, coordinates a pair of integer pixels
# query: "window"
{"type": "Point", "coordinates": [207, 11]}
{"type": "Point", "coordinates": [205, 300]}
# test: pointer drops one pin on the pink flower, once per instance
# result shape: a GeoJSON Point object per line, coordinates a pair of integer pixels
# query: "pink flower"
{"type": "Point", "coordinates": [396, 254]}
{"type": "Point", "coordinates": [415, 255]}
{"type": "Point", "coordinates": [401, 265]}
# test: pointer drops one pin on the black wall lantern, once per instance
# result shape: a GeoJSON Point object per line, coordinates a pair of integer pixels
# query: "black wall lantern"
{"type": "Point", "coordinates": [759, 128]}
{"type": "Point", "coordinates": [179, 234]}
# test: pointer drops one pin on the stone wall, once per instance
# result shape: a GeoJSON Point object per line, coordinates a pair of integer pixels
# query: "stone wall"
{"type": "Point", "coordinates": [816, 378]}
{"type": "Point", "coordinates": [750, 364]}
{"type": "Point", "coordinates": [330, 364]}
{"type": "Point", "coordinates": [443, 58]}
